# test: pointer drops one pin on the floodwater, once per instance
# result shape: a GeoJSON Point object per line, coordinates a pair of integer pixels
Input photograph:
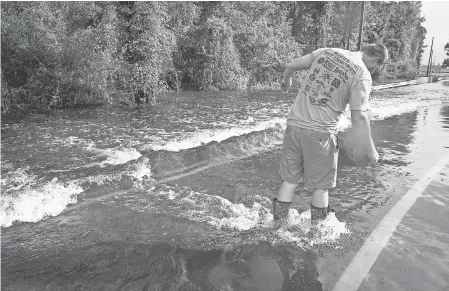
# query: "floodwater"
{"type": "Point", "coordinates": [176, 196]}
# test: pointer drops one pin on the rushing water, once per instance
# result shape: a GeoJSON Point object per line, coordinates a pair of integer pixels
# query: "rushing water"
{"type": "Point", "coordinates": [176, 195]}
{"type": "Point", "coordinates": [47, 161]}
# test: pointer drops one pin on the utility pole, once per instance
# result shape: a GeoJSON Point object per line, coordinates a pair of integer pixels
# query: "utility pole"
{"type": "Point", "coordinates": [429, 65]}
{"type": "Point", "coordinates": [359, 45]}
{"type": "Point", "coordinates": [433, 66]}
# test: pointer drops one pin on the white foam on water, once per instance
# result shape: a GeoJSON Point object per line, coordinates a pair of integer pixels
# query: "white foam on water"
{"type": "Point", "coordinates": [100, 179]}
{"type": "Point", "coordinates": [17, 179]}
{"type": "Point", "coordinates": [381, 109]}
{"type": "Point", "coordinates": [115, 156]}
{"type": "Point", "coordinates": [300, 225]}
{"type": "Point", "coordinates": [222, 214]}
{"type": "Point", "coordinates": [214, 210]}
{"type": "Point", "coordinates": [7, 166]}
{"type": "Point", "coordinates": [242, 217]}
{"type": "Point", "coordinates": [34, 204]}
{"type": "Point", "coordinates": [300, 232]}
{"type": "Point", "coordinates": [171, 194]}
{"type": "Point", "coordinates": [141, 170]}
{"type": "Point", "coordinates": [248, 120]}
{"type": "Point", "coordinates": [120, 156]}
{"type": "Point", "coordinates": [199, 138]}
{"type": "Point", "coordinates": [378, 109]}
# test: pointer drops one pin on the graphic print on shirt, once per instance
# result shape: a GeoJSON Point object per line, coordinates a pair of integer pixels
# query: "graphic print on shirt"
{"type": "Point", "coordinates": [325, 76]}
{"type": "Point", "coordinates": [329, 72]}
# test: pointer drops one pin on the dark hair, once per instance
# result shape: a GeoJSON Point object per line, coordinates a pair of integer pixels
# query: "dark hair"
{"type": "Point", "coordinates": [377, 50]}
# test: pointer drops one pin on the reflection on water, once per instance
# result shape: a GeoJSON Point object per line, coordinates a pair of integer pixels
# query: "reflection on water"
{"type": "Point", "coordinates": [445, 116]}
{"type": "Point", "coordinates": [162, 266]}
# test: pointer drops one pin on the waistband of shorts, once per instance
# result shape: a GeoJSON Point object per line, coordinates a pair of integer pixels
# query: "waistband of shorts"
{"type": "Point", "coordinates": [312, 130]}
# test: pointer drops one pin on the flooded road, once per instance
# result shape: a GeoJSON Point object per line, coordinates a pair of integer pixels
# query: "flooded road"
{"type": "Point", "coordinates": [116, 206]}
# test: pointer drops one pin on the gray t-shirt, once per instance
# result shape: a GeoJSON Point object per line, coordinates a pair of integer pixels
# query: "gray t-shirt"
{"type": "Point", "coordinates": [336, 78]}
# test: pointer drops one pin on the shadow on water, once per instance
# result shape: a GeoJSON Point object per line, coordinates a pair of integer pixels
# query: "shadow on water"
{"type": "Point", "coordinates": [360, 187]}
{"type": "Point", "coordinates": [391, 135]}
{"type": "Point", "coordinates": [163, 266]}
{"type": "Point", "coordinates": [445, 116]}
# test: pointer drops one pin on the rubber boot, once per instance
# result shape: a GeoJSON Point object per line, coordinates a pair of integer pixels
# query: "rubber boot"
{"type": "Point", "coordinates": [280, 212]}
{"type": "Point", "coordinates": [319, 213]}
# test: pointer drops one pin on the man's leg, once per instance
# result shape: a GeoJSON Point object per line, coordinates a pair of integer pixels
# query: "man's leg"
{"type": "Point", "coordinates": [281, 204]}
{"type": "Point", "coordinates": [286, 192]}
{"type": "Point", "coordinates": [320, 165]}
{"type": "Point", "coordinates": [320, 198]}
{"type": "Point", "coordinates": [320, 204]}
{"type": "Point", "coordinates": [291, 170]}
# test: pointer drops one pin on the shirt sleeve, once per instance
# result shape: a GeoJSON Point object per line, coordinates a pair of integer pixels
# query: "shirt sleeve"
{"type": "Point", "coordinates": [315, 53]}
{"type": "Point", "coordinates": [358, 100]}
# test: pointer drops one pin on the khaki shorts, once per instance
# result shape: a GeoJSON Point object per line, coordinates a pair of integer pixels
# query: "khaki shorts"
{"type": "Point", "coordinates": [310, 157]}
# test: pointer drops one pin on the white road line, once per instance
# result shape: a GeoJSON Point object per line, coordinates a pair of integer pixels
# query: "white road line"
{"type": "Point", "coordinates": [360, 265]}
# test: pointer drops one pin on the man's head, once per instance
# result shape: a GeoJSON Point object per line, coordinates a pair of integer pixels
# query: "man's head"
{"type": "Point", "coordinates": [375, 56]}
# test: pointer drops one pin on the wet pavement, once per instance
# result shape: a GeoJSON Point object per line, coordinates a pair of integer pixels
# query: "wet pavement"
{"type": "Point", "coordinates": [104, 244]}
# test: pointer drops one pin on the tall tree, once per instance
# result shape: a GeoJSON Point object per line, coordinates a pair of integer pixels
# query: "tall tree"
{"type": "Point", "coordinates": [65, 53]}
{"type": "Point", "coordinates": [446, 61]}
{"type": "Point", "coordinates": [148, 48]}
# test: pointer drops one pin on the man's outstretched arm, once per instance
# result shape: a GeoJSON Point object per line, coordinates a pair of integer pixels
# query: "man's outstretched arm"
{"type": "Point", "coordinates": [302, 63]}
{"type": "Point", "coordinates": [362, 131]}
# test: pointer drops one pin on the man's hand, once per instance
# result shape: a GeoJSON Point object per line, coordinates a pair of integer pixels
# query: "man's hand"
{"type": "Point", "coordinates": [286, 84]}
{"type": "Point", "coordinates": [358, 142]}
{"type": "Point", "coordinates": [302, 63]}
{"type": "Point", "coordinates": [373, 157]}
{"type": "Point", "coordinates": [357, 153]}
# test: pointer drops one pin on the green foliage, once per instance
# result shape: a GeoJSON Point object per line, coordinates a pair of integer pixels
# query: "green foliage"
{"type": "Point", "coordinates": [52, 57]}
{"type": "Point", "coordinates": [264, 42]}
{"type": "Point", "coordinates": [149, 49]}
{"type": "Point", "coordinates": [215, 61]}
{"type": "Point", "coordinates": [446, 61]}
{"type": "Point", "coordinates": [57, 54]}
{"type": "Point", "coordinates": [402, 69]}
{"type": "Point", "coordinates": [399, 26]}
{"type": "Point", "coordinates": [444, 64]}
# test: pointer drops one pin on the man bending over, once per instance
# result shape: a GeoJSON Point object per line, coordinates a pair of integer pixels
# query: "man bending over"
{"type": "Point", "coordinates": [335, 78]}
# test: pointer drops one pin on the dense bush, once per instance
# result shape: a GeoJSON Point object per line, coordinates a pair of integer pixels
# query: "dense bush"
{"type": "Point", "coordinates": [56, 54]}
{"type": "Point", "coordinates": [214, 62]}
{"type": "Point", "coordinates": [402, 69]}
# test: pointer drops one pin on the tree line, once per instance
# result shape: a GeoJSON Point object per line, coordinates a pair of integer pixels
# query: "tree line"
{"type": "Point", "coordinates": [57, 54]}
{"type": "Point", "coordinates": [446, 61]}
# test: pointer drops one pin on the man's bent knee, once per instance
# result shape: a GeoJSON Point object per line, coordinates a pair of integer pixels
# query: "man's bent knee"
{"type": "Point", "coordinates": [320, 198]}
{"type": "Point", "coordinates": [320, 191]}
{"type": "Point", "coordinates": [287, 191]}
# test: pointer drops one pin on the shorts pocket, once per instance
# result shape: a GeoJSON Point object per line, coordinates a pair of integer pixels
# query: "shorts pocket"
{"type": "Point", "coordinates": [322, 138]}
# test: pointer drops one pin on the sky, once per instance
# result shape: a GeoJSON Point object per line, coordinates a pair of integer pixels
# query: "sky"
{"type": "Point", "coordinates": [437, 25]}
